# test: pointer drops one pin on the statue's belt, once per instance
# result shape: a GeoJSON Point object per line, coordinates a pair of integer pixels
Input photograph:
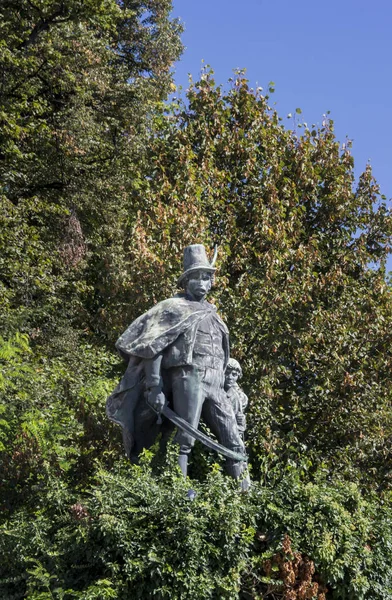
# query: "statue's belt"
{"type": "Point", "coordinates": [199, 435]}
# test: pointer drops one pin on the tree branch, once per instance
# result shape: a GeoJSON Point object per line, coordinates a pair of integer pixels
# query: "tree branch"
{"type": "Point", "coordinates": [44, 25]}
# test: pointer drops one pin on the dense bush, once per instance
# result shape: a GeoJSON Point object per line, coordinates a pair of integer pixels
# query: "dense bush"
{"type": "Point", "coordinates": [73, 527]}
{"type": "Point", "coordinates": [53, 422]}
{"type": "Point", "coordinates": [135, 534]}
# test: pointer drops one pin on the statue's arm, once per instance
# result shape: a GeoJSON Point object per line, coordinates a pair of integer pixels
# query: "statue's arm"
{"type": "Point", "coordinates": [152, 371]}
{"type": "Point", "coordinates": [153, 382]}
{"type": "Point", "coordinates": [240, 416]}
{"type": "Point", "coordinates": [241, 420]}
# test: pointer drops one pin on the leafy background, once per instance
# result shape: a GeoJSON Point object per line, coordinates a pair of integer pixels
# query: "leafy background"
{"type": "Point", "coordinates": [103, 184]}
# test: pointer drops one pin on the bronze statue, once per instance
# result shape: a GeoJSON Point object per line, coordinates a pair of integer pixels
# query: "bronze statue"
{"type": "Point", "coordinates": [238, 399]}
{"type": "Point", "coordinates": [177, 353]}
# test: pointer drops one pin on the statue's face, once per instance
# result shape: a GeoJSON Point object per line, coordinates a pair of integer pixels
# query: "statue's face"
{"type": "Point", "coordinates": [198, 284]}
{"type": "Point", "coordinates": [231, 377]}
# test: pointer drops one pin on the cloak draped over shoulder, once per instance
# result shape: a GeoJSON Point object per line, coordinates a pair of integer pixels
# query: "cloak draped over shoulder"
{"type": "Point", "coordinates": [159, 327]}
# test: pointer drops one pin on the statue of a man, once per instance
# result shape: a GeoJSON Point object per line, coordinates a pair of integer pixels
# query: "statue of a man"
{"type": "Point", "coordinates": [177, 353]}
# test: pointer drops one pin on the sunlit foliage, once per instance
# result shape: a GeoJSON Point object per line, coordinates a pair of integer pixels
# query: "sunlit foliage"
{"type": "Point", "coordinates": [102, 186]}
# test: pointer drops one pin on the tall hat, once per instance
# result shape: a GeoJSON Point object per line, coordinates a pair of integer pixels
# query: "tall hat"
{"type": "Point", "coordinates": [195, 259]}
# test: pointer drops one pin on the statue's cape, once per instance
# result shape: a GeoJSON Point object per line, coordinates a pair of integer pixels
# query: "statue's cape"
{"type": "Point", "coordinates": [147, 336]}
{"type": "Point", "coordinates": [159, 327]}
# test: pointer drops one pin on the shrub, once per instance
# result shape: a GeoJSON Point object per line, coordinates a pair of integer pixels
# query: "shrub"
{"type": "Point", "coordinates": [134, 533]}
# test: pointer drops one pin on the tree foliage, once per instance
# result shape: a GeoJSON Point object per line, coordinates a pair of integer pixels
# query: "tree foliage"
{"type": "Point", "coordinates": [52, 419]}
{"type": "Point", "coordinates": [79, 81]}
{"type": "Point", "coordinates": [301, 278]}
{"type": "Point", "coordinates": [102, 186]}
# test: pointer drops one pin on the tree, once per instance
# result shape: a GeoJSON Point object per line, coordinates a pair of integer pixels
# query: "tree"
{"type": "Point", "coordinates": [103, 186]}
{"type": "Point", "coordinates": [78, 83]}
{"type": "Point", "coordinates": [301, 270]}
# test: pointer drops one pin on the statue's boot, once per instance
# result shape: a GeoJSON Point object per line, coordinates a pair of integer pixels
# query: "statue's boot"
{"type": "Point", "coordinates": [236, 470]}
{"type": "Point", "coordinates": [183, 462]}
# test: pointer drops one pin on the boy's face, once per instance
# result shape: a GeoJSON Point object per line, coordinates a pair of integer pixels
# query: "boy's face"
{"type": "Point", "coordinates": [231, 377]}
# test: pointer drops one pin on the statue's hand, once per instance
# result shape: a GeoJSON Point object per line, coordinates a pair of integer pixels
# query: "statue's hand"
{"type": "Point", "coordinates": [241, 420]}
{"type": "Point", "coordinates": [156, 398]}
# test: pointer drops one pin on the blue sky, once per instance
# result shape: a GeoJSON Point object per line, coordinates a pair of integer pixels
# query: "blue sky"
{"type": "Point", "coordinates": [334, 55]}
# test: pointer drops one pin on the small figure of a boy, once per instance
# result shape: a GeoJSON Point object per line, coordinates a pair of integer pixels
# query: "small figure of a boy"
{"type": "Point", "coordinates": [238, 399]}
